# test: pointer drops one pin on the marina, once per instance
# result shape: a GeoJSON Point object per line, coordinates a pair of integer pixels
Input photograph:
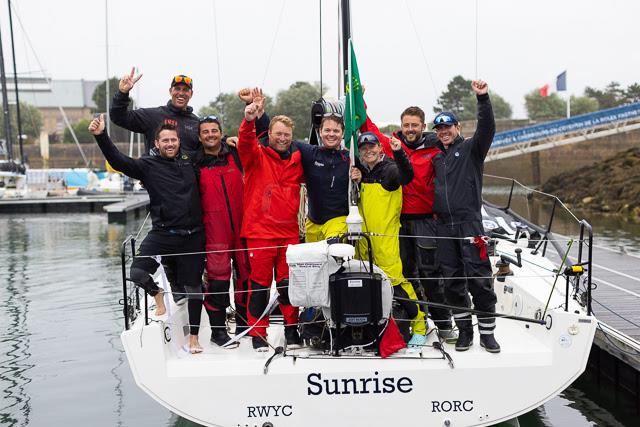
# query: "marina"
{"type": "Point", "coordinates": [139, 297]}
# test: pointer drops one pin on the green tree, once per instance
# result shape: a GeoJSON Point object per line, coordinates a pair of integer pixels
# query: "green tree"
{"type": "Point", "coordinates": [389, 129]}
{"type": "Point", "coordinates": [82, 133]}
{"type": "Point", "coordinates": [583, 105]}
{"type": "Point", "coordinates": [544, 107]}
{"type": "Point", "coordinates": [611, 96]}
{"type": "Point", "coordinates": [453, 98]}
{"type": "Point", "coordinates": [460, 99]}
{"type": "Point", "coordinates": [99, 97]}
{"type": "Point", "coordinates": [31, 121]}
{"type": "Point", "coordinates": [230, 109]}
{"type": "Point", "coordinates": [632, 94]}
{"type": "Point", "coordinates": [501, 108]}
{"type": "Point", "coordinates": [295, 102]}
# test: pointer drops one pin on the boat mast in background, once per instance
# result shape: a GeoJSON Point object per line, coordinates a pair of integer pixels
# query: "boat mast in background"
{"type": "Point", "coordinates": [15, 81]}
{"type": "Point", "coordinates": [5, 105]}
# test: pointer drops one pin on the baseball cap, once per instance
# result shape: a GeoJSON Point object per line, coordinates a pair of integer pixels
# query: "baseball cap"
{"type": "Point", "coordinates": [445, 118]}
{"type": "Point", "coordinates": [367, 138]}
{"type": "Point", "coordinates": [181, 79]}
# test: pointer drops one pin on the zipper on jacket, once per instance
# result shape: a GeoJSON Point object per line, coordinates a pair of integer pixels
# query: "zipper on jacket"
{"type": "Point", "coordinates": [226, 199]}
{"type": "Point", "coordinates": [446, 189]}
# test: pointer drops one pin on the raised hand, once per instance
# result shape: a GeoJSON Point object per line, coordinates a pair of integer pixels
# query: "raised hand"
{"type": "Point", "coordinates": [480, 87]}
{"type": "Point", "coordinates": [258, 99]}
{"type": "Point", "coordinates": [96, 127]}
{"type": "Point", "coordinates": [396, 144]}
{"type": "Point", "coordinates": [245, 95]}
{"type": "Point", "coordinates": [232, 141]}
{"type": "Point", "coordinates": [251, 112]}
{"type": "Point", "coordinates": [128, 81]}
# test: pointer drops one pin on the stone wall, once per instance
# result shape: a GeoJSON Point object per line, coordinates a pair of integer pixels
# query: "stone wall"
{"type": "Point", "coordinates": [562, 159]}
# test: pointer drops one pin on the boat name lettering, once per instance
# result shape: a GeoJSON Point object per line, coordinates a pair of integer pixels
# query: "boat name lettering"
{"type": "Point", "coordinates": [451, 405]}
{"type": "Point", "coordinates": [261, 411]}
{"type": "Point", "coordinates": [374, 385]}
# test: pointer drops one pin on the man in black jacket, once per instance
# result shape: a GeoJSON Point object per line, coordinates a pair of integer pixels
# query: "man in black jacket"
{"type": "Point", "coordinates": [146, 120]}
{"type": "Point", "coordinates": [176, 215]}
{"type": "Point", "coordinates": [458, 202]}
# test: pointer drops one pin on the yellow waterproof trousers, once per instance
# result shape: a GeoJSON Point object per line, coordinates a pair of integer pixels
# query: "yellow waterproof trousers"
{"type": "Point", "coordinates": [333, 227]}
{"type": "Point", "coordinates": [380, 210]}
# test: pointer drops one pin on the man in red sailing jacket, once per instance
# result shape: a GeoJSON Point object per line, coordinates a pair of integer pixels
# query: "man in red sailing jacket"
{"type": "Point", "coordinates": [273, 174]}
{"type": "Point", "coordinates": [417, 225]}
{"type": "Point", "coordinates": [221, 193]}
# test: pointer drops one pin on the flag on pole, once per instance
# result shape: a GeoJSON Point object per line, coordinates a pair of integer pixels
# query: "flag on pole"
{"type": "Point", "coordinates": [544, 91]}
{"type": "Point", "coordinates": [561, 81]}
{"type": "Point", "coordinates": [355, 112]}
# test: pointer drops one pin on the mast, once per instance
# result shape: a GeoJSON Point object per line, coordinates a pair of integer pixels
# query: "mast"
{"type": "Point", "coordinates": [345, 6]}
{"type": "Point", "coordinates": [354, 220]}
{"type": "Point", "coordinates": [15, 81]}
{"type": "Point", "coordinates": [5, 105]}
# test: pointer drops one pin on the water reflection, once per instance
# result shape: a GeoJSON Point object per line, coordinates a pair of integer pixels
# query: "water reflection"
{"type": "Point", "coordinates": [15, 349]}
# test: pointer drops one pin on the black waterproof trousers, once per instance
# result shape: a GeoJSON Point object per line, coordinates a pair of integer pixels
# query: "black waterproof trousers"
{"type": "Point", "coordinates": [466, 269]}
{"type": "Point", "coordinates": [418, 255]}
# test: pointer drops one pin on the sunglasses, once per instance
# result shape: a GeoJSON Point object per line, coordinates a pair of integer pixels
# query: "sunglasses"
{"type": "Point", "coordinates": [333, 114]}
{"type": "Point", "coordinates": [443, 120]}
{"type": "Point", "coordinates": [183, 79]}
{"type": "Point", "coordinates": [209, 119]}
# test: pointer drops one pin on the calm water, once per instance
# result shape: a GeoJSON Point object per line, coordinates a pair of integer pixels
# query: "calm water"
{"type": "Point", "coordinates": [61, 360]}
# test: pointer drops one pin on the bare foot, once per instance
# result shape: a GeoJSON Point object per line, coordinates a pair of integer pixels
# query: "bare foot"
{"type": "Point", "coordinates": [194, 344]}
{"type": "Point", "coordinates": [160, 307]}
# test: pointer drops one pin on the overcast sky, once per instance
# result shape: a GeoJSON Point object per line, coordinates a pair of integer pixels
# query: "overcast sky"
{"type": "Point", "coordinates": [407, 50]}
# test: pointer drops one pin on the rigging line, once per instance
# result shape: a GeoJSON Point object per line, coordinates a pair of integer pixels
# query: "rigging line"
{"type": "Point", "coordinates": [273, 42]}
{"type": "Point", "coordinates": [320, 29]}
{"type": "Point", "coordinates": [424, 56]}
{"type": "Point", "coordinates": [211, 252]}
{"type": "Point", "coordinates": [564, 260]}
{"type": "Point", "coordinates": [215, 33]}
{"type": "Point", "coordinates": [476, 64]}
{"type": "Point", "coordinates": [142, 226]}
{"type": "Point", "coordinates": [615, 313]}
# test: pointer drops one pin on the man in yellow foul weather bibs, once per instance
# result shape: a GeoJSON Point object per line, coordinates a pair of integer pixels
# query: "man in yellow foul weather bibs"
{"type": "Point", "coordinates": [380, 180]}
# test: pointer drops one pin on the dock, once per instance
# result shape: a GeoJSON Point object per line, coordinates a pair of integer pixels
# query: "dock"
{"type": "Point", "coordinates": [614, 362]}
{"type": "Point", "coordinates": [120, 208]}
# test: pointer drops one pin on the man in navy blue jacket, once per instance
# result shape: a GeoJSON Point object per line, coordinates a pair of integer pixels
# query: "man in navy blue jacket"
{"type": "Point", "coordinates": [458, 202]}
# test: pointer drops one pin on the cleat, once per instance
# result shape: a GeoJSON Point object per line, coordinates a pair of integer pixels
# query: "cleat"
{"type": "Point", "coordinates": [489, 343]}
{"type": "Point", "coordinates": [465, 340]}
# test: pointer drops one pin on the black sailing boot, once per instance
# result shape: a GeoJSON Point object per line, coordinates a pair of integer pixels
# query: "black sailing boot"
{"type": "Point", "coordinates": [489, 343]}
{"type": "Point", "coordinates": [465, 328]}
{"type": "Point", "coordinates": [219, 334]}
{"type": "Point", "coordinates": [292, 337]}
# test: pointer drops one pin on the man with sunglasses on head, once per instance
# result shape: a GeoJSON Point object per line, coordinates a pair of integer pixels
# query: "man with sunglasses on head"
{"type": "Point", "coordinates": [146, 120]}
{"type": "Point", "coordinates": [462, 249]}
{"type": "Point", "coordinates": [417, 224]}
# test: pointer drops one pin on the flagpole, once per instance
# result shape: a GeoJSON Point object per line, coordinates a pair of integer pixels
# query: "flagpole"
{"type": "Point", "coordinates": [568, 96]}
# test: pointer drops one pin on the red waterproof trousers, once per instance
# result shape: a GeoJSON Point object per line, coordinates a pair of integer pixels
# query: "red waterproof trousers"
{"type": "Point", "coordinates": [263, 263]}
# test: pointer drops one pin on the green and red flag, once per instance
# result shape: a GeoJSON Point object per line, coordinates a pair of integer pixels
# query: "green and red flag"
{"type": "Point", "coordinates": [355, 113]}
